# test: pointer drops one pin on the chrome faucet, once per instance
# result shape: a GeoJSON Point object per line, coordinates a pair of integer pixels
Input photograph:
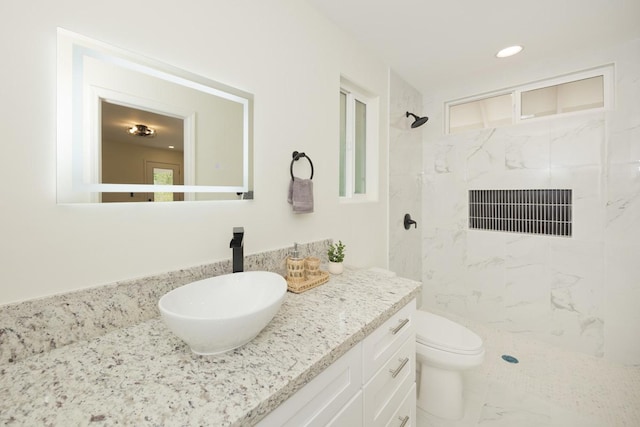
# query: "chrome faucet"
{"type": "Point", "coordinates": [237, 244]}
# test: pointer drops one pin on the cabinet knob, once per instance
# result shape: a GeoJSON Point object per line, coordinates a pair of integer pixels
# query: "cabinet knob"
{"type": "Point", "coordinates": [404, 420]}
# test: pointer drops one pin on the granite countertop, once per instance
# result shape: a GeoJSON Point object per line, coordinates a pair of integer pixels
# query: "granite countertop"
{"type": "Point", "coordinates": [144, 375]}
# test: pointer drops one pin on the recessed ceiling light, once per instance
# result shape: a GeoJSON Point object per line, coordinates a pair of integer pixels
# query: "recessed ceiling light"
{"type": "Point", "coordinates": [509, 51]}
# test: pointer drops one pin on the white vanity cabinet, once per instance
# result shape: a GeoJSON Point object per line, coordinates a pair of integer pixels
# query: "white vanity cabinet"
{"type": "Point", "coordinates": [389, 367]}
{"type": "Point", "coordinates": [373, 384]}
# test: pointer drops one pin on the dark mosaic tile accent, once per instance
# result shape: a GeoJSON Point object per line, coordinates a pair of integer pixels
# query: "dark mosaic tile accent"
{"type": "Point", "coordinates": [541, 211]}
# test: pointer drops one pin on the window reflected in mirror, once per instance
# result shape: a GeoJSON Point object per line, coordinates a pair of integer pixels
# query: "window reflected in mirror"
{"type": "Point", "coordinates": [165, 175]}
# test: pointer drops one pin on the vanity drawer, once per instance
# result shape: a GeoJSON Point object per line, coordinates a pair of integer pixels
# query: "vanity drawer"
{"type": "Point", "coordinates": [405, 416]}
{"type": "Point", "coordinates": [315, 404]}
{"type": "Point", "coordinates": [384, 341]}
{"type": "Point", "coordinates": [385, 392]}
{"type": "Point", "coordinates": [350, 415]}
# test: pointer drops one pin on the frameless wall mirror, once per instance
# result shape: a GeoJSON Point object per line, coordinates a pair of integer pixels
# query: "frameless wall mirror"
{"type": "Point", "coordinates": [132, 129]}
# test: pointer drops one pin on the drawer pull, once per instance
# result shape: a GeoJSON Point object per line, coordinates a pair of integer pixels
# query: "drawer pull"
{"type": "Point", "coordinates": [400, 326]}
{"type": "Point", "coordinates": [404, 420]}
{"type": "Point", "coordinates": [395, 372]}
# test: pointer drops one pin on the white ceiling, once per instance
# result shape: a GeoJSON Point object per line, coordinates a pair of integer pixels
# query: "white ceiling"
{"type": "Point", "coordinates": [432, 44]}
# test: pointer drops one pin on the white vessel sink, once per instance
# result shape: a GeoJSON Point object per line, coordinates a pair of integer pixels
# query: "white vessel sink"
{"type": "Point", "coordinates": [224, 312]}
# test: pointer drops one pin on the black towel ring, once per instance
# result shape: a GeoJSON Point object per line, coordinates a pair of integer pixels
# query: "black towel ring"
{"type": "Point", "coordinates": [296, 156]}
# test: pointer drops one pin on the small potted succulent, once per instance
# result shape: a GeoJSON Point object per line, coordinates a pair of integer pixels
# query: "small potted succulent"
{"type": "Point", "coordinates": [336, 257]}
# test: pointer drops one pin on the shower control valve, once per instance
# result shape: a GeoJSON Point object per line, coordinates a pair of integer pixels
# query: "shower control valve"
{"type": "Point", "coordinates": [408, 222]}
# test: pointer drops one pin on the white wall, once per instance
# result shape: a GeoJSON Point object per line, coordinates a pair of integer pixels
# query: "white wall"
{"type": "Point", "coordinates": [282, 51]}
{"type": "Point", "coordinates": [580, 293]}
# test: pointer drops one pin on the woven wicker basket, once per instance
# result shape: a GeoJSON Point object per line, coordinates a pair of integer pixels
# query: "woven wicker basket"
{"type": "Point", "coordinates": [297, 286]}
{"type": "Point", "coordinates": [312, 267]}
{"type": "Point", "coordinates": [295, 270]}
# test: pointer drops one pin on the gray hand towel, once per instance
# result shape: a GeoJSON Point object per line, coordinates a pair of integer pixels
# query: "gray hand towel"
{"type": "Point", "coordinates": [301, 195]}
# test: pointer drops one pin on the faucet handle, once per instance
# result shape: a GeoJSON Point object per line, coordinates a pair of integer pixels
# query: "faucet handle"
{"type": "Point", "coordinates": [238, 235]}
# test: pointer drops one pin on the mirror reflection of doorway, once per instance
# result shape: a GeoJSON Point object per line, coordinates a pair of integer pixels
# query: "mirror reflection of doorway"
{"type": "Point", "coordinates": [163, 174]}
{"type": "Point", "coordinates": [125, 158]}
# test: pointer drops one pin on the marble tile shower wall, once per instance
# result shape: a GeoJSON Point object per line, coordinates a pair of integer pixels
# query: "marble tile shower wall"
{"type": "Point", "coordinates": [405, 184]}
{"type": "Point", "coordinates": [622, 220]}
{"type": "Point", "coordinates": [547, 287]}
{"type": "Point", "coordinates": [579, 293]}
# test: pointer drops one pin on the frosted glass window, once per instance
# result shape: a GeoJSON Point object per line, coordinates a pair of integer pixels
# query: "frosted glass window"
{"type": "Point", "coordinates": [585, 94]}
{"type": "Point", "coordinates": [483, 113]}
{"type": "Point", "coordinates": [581, 91]}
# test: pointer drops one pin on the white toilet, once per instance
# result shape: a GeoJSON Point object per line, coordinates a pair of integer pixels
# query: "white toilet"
{"type": "Point", "coordinates": [443, 350]}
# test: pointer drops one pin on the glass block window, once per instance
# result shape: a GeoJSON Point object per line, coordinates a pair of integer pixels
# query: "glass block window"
{"type": "Point", "coordinates": [539, 211]}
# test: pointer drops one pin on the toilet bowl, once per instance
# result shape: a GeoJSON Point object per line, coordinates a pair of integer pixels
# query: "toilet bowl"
{"type": "Point", "coordinates": [444, 349]}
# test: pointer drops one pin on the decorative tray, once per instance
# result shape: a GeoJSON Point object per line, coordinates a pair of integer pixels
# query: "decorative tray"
{"type": "Point", "coordinates": [297, 285]}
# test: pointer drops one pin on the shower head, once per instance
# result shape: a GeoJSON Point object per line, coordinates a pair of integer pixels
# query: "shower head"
{"type": "Point", "coordinates": [419, 121]}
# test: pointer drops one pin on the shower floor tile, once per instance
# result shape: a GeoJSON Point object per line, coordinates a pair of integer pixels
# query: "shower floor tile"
{"type": "Point", "coordinates": [549, 387]}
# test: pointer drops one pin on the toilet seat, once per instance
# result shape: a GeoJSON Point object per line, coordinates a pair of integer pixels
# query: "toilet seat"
{"type": "Point", "coordinates": [443, 334]}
